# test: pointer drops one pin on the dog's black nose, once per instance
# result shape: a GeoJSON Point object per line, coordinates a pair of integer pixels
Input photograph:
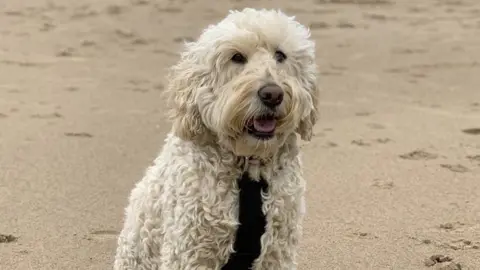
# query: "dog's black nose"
{"type": "Point", "coordinates": [271, 95]}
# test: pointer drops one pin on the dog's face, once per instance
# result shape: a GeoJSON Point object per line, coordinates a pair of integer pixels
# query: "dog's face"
{"type": "Point", "coordinates": [250, 80]}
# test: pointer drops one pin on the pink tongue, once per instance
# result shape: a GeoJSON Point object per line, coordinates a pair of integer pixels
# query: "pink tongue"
{"type": "Point", "coordinates": [264, 125]}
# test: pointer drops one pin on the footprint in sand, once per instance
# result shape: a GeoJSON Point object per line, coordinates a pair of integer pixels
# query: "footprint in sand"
{"type": "Point", "coordinates": [450, 226]}
{"type": "Point", "coordinates": [375, 17]}
{"type": "Point", "coordinates": [434, 259]}
{"type": "Point", "coordinates": [47, 116]}
{"type": "Point", "coordinates": [345, 25]}
{"type": "Point", "coordinates": [426, 241]}
{"type": "Point", "coordinates": [360, 142]}
{"type": "Point", "coordinates": [137, 81]}
{"type": "Point", "coordinates": [458, 168]}
{"type": "Point", "coordinates": [375, 126]}
{"type": "Point", "coordinates": [140, 41]}
{"type": "Point", "coordinates": [140, 90]}
{"type": "Point", "coordinates": [383, 140]}
{"type": "Point", "coordinates": [474, 158]}
{"type": "Point", "coordinates": [461, 244]}
{"type": "Point", "coordinates": [183, 39]}
{"type": "Point", "coordinates": [471, 131]}
{"type": "Point", "coordinates": [396, 70]}
{"type": "Point", "coordinates": [14, 13]}
{"type": "Point", "coordinates": [365, 235]}
{"type": "Point", "coordinates": [139, 85]}
{"type": "Point", "coordinates": [88, 43]}
{"type": "Point", "coordinates": [165, 52]}
{"type": "Point", "coordinates": [47, 26]}
{"type": "Point", "coordinates": [71, 89]}
{"type": "Point", "coordinates": [124, 33]}
{"type": "Point", "coordinates": [140, 2]}
{"type": "Point", "coordinates": [383, 184]}
{"type": "Point", "coordinates": [363, 113]}
{"type": "Point", "coordinates": [442, 262]}
{"type": "Point", "coordinates": [417, 9]}
{"type": "Point", "coordinates": [2, 115]}
{"type": "Point", "coordinates": [168, 9]}
{"type": "Point", "coordinates": [115, 10]}
{"type": "Point", "coordinates": [15, 91]}
{"type": "Point", "coordinates": [23, 63]}
{"type": "Point", "coordinates": [419, 155]}
{"type": "Point", "coordinates": [340, 68]}
{"type": "Point", "coordinates": [418, 75]}
{"type": "Point", "coordinates": [7, 238]}
{"type": "Point", "coordinates": [78, 134]}
{"type": "Point", "coordinates": [344, 45]}
{"type": "Point", "coordinates": [408, 51]}
{"type": "Point", "coordinates": [319, 25]}
{"type": "Point", "coordinates": [65, 52]}
{"type": "Point", "coordinates": [330, 145]}
{"type": "Point", "coordinates": [330, 73]}
{"type": "Point", "coordinates": [159, 86]}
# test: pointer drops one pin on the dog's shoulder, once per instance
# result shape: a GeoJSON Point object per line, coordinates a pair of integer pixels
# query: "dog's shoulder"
{"type": "Point", "coordinates": [180, 159]}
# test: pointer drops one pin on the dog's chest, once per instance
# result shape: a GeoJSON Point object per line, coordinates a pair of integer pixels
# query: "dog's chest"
{"type": "Point", "coordinates": [252, 221]}
{"type": "Point", "coordinates": [259, 221]}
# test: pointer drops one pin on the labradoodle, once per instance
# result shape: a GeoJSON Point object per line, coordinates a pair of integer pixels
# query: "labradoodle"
{"type": "Point", "coordinates": [227, 190]}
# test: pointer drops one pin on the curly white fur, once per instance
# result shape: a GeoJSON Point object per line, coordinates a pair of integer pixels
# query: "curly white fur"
{"type": "Point", "coordinates": [184, 213]}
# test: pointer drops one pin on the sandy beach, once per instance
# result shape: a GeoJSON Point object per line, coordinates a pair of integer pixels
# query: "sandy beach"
{"type": "Point", "coordinates": [393, 169]}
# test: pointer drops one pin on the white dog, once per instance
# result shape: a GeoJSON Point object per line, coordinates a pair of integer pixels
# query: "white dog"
{"type": "Point", "coordinates": [227, 191]}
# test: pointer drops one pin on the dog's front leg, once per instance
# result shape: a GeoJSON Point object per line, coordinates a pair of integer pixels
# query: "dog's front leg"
{"type": "Point", "coordinates": [195, 243]}
{"type": "Point", "coordinates": [200, 228]}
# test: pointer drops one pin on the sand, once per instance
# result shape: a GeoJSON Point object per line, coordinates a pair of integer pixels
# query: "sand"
{"type": "Point", "coordinates": [393, 169]}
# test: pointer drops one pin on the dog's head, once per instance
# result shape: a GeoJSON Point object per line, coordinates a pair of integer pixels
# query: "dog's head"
{"type": "Point", "coordinates": [248, 82]}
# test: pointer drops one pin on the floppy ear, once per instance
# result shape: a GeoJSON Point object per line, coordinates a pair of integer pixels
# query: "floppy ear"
{"type": "Point", "coordinates": [184, 80]}
{"type": "Point", "coordinates": [305, 128]}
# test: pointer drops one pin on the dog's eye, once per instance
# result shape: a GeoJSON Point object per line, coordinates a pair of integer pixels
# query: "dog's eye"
{"type": "Point", "coordinates": [280, 56]}
{"type": "Point", "coordinates": [239, 58]}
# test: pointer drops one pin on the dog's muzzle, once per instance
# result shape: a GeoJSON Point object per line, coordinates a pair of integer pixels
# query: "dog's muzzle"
{"type": "Point", "coordinates": [262, 126]}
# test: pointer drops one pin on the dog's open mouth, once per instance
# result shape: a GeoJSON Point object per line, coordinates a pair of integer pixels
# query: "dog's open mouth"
{"type": "Point", "coordinates": [263, 126]}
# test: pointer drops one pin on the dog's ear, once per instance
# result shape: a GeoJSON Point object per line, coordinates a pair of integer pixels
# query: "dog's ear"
{"type": "Point", "coordinates": [305, 128]}
{"type": "Point", "coordinates": [185, 79]}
